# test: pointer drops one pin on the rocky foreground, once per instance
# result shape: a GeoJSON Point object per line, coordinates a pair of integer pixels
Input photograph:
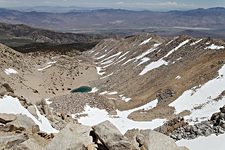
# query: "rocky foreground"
{"type": "Point", "coordinates": [18, 131]}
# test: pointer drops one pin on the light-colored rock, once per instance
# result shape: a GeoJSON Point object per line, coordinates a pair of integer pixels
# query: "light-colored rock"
{"type": "Point", "coordinates": [11, 140]}
{"type": "Point", "coordinates": [111, 137]}
{"type": "Point", "coordinates": [22, 122]}
{"type": "Point", "coordinates": [32, 110]}
{"type": "Point", "coordinates": [155, 140]}
{"type": "Point", "coordinates": [29, 144]}
{"type": "Point", "coordinates": [5, 118]}
{"type": "Point", "coordinates": [73, 137]}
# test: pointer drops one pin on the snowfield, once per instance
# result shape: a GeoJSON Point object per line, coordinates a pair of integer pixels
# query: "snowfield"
{"type": "Point", "coordinates": [10, 105]}
{"type": "Point", "coordinates": [211, 142]}
{"type": "Point", "coordinates": [202, 97]}
{"type": "Point", "coordinates": [96, 116]}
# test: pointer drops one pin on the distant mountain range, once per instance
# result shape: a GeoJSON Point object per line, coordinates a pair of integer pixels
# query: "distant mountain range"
{"type": "Point", "coordinates": [108, 19]}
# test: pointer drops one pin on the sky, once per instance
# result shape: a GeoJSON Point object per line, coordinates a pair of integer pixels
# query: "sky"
{"type": "Point", "coordinates": [127, 4]}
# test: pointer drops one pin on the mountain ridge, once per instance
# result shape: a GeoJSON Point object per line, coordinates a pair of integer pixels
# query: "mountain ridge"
{"type": "Point", "coordinates": [116, 18]}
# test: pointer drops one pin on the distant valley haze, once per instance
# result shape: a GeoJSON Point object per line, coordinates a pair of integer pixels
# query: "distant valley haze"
{"type": "Point", "coordinates": [155, 5]}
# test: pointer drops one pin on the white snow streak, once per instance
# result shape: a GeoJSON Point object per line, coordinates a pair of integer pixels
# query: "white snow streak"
{"type": "Point", "coordinates": [160, 62]}
{"type": "Point", "coordinates": [95, 116]}
{"type": "Point", "coordinates": [10, 105]}
{"type": "Point", "coordinates": [145, 41]}
{"type": "Point", "coordinates": [10, 71]}
{"type": "Point", "coordinates": [213, 46]}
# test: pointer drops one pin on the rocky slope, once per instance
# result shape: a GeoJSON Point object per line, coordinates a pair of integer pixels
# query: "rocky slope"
{"type": "Point", "coordinates": [19, 35]}
{"type": "Point", "coordinates": [146, 68]}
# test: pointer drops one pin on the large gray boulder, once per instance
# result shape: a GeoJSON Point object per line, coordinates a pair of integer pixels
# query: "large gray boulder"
{"type": "Point", "coordinates": [8, 141]}
{"type": "Point", "coordinates": [72, 137]}
{"type": "Point", "coordinates": [152, 140]}
{"type": "Point", "coordinates": [29, 144]}
{"type": "Point", "coordinates": [111, 137]}
{"type": "Point", "coordinates": [22, 123]}
{"type": "Point", "coordinates": [5, 118]}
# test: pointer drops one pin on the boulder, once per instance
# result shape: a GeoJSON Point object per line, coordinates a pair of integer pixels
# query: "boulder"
{"type": "Point", "coordinates": [5, 118]}
{"type": "Point", "coordinates": [29, 144]}
{"type": "Point", "coordinates": [154, 140]}
{"type": "Point", "coordinates": [73, 137]}
{"type": "Point", "coordinates": [7, 88]}
{"type": "Point", "coordinates": [32, 110]}
{"type": "Point", "coordinates": [111, 137]}
{"type": "Point", "coordinates": [6, 142]}
{"type": "Point", "coordinates": [222, 109]}
{"type": "Point", "coordinates": [23, 122]}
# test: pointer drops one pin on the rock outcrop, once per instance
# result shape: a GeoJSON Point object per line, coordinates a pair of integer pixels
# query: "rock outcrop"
{"type": "Point", "coordinates": [111, 137]}
{"type": "Point", "coordinates": [152, 140]}
{"type": "Point", "coordinates": [73, 136]}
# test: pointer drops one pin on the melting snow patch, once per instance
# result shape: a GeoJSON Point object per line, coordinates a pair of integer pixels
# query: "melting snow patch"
{"type": "Point", "coordinates": [47, 100]}
{"type": "Point", "coordinates": [107, 76]}
{"type": "Point", "coordinates": [196, 42]}
{"type": "Point", "coordinates": [10, 71]}
{"type": "Point", "coordinates": [204, 143]}
{"type": "Point", "coordinates": [125, 98]}
{"type": "Point", "coordinates": [100, 57]}
{"type": "Point", "coordinates": [46, 67]}
{"type": "Point", "coordinates": [213, 46]}
{"type": "Point", "coordinates": [99, 71]}
{"type": "Point", "coordinates": [96, 116]}
{"type": "Point", "coordinates": [200, 100]}
{"type": "Point", "coordinates": [129, 60]}
{"type": "Point", "coordinates": [112, 56]}
{"type": "Point", "coordinates": [145, 41]}
{"type": "Point", "coordinates": [160, 62]}
{"type": "Point", "coordinates": [145, 53]}
{"type": "Point", "coordinates": [94, 90]}
{"type": "Point", "coordinates": [144, 60]}
{"type": "Point", "coordinates": [112, 93]}
{"type": "Point", "coordinates": [176, 48]}
{"type": "Point", "coordinates": [178, 77]}
{"type": "Point", "coordinates": [52, 62]}
{"type": "Point", "coordinates": [153, 65]}
{"type": "Point", "coordinates": [10, 105]}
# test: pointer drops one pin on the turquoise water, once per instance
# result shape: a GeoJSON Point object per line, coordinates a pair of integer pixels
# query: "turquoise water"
{"type": "Point", "coordinates": [82, 89]}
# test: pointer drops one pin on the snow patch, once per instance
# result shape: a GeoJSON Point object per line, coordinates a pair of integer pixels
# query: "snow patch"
{"type": "Point", "coordinates": [176, 48]}
{"type": "Point", "coordinates": [196, 42]}
{"type": "Point", "coordinates": [10, 71]}
{"type": "Point", "coordinates": [10, 105]}
{"type": "Point", "coordinates": [213, 47]}
{"type": "Point", "coordinates": [46, 67]}
{"type": "Point", "coordinates": [107, 76]}
{"type": "Point", "coordinates": [160, 62]}
{"type": "Point", "coordinates": [153, 65]}
{"type": "Point", "coordinates": [96, 116]}
{"type": "Point", "coordinates": [99, 69]}
{"type": "Point", "coordinates": [178, 77]}
{"type": "Point", "coordinates": [204, 143]}
{"type": "Point", "coordinates": [144, 60]}
{"type": "Point", "coordinates": [203, 98]}
{"type": "Point", "coordinates": [94, 89]}
{"type": "Point", "coordinates": [145, 41]}
{"type": "Point", "coordinates": [124, 98]}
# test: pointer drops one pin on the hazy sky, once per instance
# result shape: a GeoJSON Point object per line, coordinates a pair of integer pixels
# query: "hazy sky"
{"type": "Point", "coordinates": [128, 4]}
